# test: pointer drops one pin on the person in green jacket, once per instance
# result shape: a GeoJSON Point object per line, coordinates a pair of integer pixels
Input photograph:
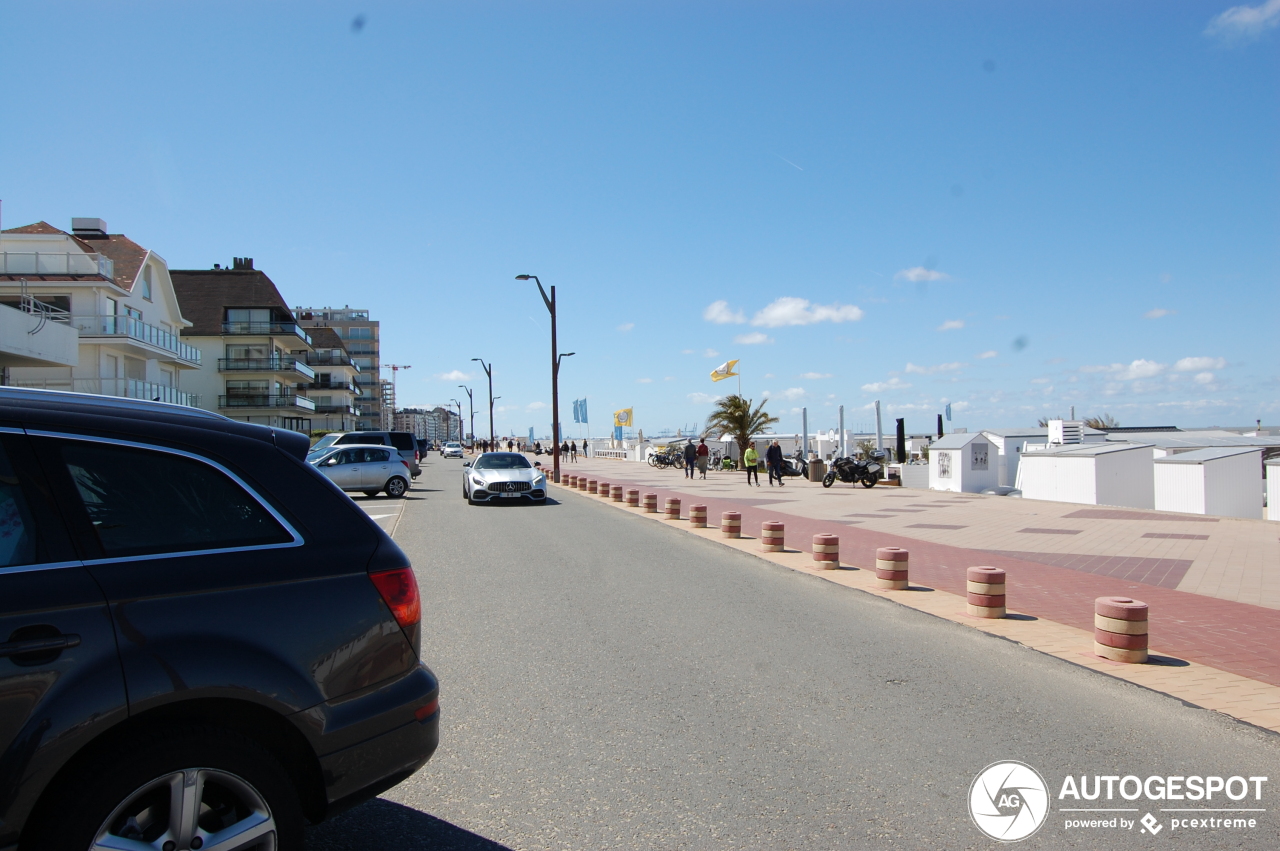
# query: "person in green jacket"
{"type": "Point", "coordinates": [751, 460]}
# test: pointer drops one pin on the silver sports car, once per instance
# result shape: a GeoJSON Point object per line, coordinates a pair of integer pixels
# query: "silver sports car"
{"type": "Point", "coordinates": [502, 476]}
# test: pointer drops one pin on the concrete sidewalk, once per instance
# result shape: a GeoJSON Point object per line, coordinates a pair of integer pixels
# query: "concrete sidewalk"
{"type": "Point", "coordinates": [1213, 594]}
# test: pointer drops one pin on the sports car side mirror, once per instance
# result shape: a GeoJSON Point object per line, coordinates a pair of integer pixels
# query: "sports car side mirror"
{"type": "Point", "coordinates": [466, 463]}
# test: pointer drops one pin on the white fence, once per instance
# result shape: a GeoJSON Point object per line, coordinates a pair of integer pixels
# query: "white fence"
{"type": "Point", "coordinates": [615, 454]}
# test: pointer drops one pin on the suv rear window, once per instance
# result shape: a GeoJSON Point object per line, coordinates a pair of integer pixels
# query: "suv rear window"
{"type": "Point", "coordinates": [143, 502]}
{"type": "Point", "coordinates": [17, 533]}
{"type": "Point", "coordinates": [403, 440]}
{"type": "Point", "coordinates": [361, 437]}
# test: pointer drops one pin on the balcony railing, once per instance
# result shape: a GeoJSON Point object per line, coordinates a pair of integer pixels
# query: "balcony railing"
{"type": "Point", "coordinates": [56, 263]}
{"type": "Point", "coordinates": [336, 409]}
{"type": "Point", "coordinates": [285, 364]}
{"type": "Point", "coordinates": [125, 388]}
{"type": "Point", "coordinates": [318, 359]}
{"type": "Point", "coordinates": [343, 386]}
{"type": "Point", "coordinates": [135, 329]}
{"type": "Point", "coordinates": [264, 329]}
{"type": "Point", "coordinates": [266, 400]}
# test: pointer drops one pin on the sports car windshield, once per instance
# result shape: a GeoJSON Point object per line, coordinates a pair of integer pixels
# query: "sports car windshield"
{"type": "Point", "coordinates": [502, 461]}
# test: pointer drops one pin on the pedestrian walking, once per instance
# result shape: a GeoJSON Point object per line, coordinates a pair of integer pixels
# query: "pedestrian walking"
{"type": "Point", "coordinates": [510, 445]}
{"type": "Point", "coordinates": [751, 460]}
{"type": "Point", "coordinates": [573, 451]}
{"type": "Point", "coordinates": [690, 458]}
{"type": "Point", "coordinates": [773, 460]}
{"type": "Point", "coordinates": [564, 450]}
{"type": "Point", "coordinates": [704, 456]}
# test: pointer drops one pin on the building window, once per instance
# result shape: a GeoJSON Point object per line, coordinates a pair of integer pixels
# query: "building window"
{"type": "Point", "coordinates": [358, 333]}
{"type": "Point", "coordinates": [146, 282]}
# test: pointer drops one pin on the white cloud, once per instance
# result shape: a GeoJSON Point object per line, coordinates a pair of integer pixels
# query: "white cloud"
{"type": "Point", "coordinates": [454, 375]}
{"type": "Point", "coordinates": [1139, 369]}
{"type": "Point", "coordinates": [800, 311]}
{"type": "Point", "coordinates": [988, 354]}
{"type": "Point", "coordinates": [703, 398]}
{"type": "Point", "coordinates": [1041, 380]}
{"type": "Point", "coordinates": [814, 376]}
{"type": "Point", "coordinates": [930, 370]}
{"type": "Point", "coordinates": [768, 375]}
{"type": "Point", "coordinates": [752, 339]}
{"type": "Point", "coordinates": [1245, 21]}
{"type": "Point", "coordinates": [1158, 312]}
{"type": "Point", "coordinates": [1194, 364]}
{"type": "Point", "coordinates": [891, 384]}
{"type": "Point", "coordinates": [644, 381]}
{"type": "Point", "coordinates": [917, 274]}
{"type": "Point", "coordinates": [1204, 378]}
{"type": "Point", "coordinates": [710, 353]}
{"type": "Point", "coordinates": [687, 352]}
{"type": "Point", "coordinates": [535, 406]}
{"type": "Point", "coordinates": [626, 326]}
{"type": "Point", "coordinates": [951, 325]}
{"type": "Point", "coordinates": [794, 393]}
{"type": "Point", "coordinates": [720, 313]}
{"type": "Point", "coordinates": [669, 378]}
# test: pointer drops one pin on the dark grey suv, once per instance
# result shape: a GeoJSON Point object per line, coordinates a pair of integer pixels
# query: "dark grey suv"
{"type": "Point", "coordinates": [204, 642]}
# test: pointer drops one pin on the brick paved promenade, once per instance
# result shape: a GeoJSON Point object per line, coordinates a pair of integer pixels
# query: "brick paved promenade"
{"type": "Point", "coordinates": [1213, 584]}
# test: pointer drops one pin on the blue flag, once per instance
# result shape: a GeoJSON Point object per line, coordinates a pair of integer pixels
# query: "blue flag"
{"type": "Point", "coordinates": [948, 412]}
{"type": "Point", "coordinates": [583, 404]}
{"type": "Point", "coordinates": [531, 435]}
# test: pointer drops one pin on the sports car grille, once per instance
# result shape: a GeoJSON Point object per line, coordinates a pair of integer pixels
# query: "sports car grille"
{"type": "Point", "coordinates": [509, 487]}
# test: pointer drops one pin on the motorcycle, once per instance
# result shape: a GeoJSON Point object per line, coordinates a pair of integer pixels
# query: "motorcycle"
{"type": "Point", "coordinates": [854, 470]}
{"type": "Point", "coordinates": [795, 467]}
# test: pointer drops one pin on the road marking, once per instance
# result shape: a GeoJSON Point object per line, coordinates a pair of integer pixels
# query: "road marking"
{"type": "Point", "coordinates": [380, 516]}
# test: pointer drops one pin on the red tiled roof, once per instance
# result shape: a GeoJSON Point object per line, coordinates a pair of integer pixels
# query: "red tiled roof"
{"type": "Point", "coordinates": [204, 295]}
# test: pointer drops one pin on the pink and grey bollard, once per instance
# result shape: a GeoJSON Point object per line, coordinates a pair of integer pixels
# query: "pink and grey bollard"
{"type": "Point", "coordinates": [1120, 629]}
{"type": "Point", "coordinates": [985, 587]}
{"type": "Point", "coordinates": [698, 516]}
{"type": "Point", "coordinates": [891, 568]}
{"type": "Point", "coordinates": [573, 481]}
{"type": "Point", "coordinates": [771, 536]}
{"type": "Point", "coordinates": [582, 483]}
{"type": "Point", "coordinates": [826, 551]}
{"type": "Point", "coordinates": [672, 508]}
{"type": "Point", "coordinates": [633, 498]}
{"type": "Point", "coordinates": [592, 485]}
{"type": "Point", "coordinates": [615, 493]}
{"type": "Point", "coordinates": [651, 503]}
{"type": "Point", "coordinates": [603, 489]}
{"type": "Point", "coordinates": [731, 524]}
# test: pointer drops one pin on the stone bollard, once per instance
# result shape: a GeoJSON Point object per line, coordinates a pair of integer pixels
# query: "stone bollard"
{"type": "Point", "coordinates": [603, 489]}
{"type": "Point", "coordinates": [731, 524]}
{"type": "Point", "coordinates": [592, 484]}
{"type": "Point", "coordinates": [672, 509]}
{"type": "Point", "coordinates": [985, 586]}
{"type": "Point", "coordinates": [891, 568]}
{"type": "Point", "coordinates": [698, 516]}
{"type": "Point", "coordinates": [826, 551]}
{"type": "Point", "coordinates": [582, 483]}
{"type": "Point", "coordinates": [771, 536]}
{"type": "Point", "coordinates": [615, 493]}
{"type": "Point", "coordinates": [573, 481]}
{"type": "Point", "coordinates": [1120, 629]}
{"type": "Point", "coordinates": [633, 498]}
{"type": "Point", "coordinates": [651, 503]}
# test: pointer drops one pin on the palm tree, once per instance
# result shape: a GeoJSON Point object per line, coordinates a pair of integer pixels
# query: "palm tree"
{"type": "Point", "coordinates": [735, 417]}
{"type": "Point", "coordinates": [1104, 421]}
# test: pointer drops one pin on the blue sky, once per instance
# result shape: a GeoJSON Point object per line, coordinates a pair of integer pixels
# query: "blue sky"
{"type": "Point", "coordinates": [1011, 207]}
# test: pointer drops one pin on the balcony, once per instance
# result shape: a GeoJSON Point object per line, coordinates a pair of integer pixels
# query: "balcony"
{"type": "Point", "coordinates": [318, 359]}
{"type": "Point", "coordinates": [340, 386]}
{"type": "Point", "coordinates": [281, 365]}
{"type": "Point", "coordinates": [35, 334]}
{"type": "Point", "coordinates": [266, 400]}
{"type": "Point", "coordinates": [124, 388]}
{"type": "Point", "coordinates": [56, 263]}
{"type": "Point", "coordinates": [265, 329]}
{"type": "Point", "coordinates": [130, 331]}
{"type": "Point", "coordinates": [349, 410]}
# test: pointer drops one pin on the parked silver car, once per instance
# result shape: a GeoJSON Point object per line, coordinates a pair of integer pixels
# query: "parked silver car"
{"type": "Point", "coordinates": [451, 450]}
{"type": "Point", "coordinates": [367, 469]}
{"type": "Point", "coordinates": [502, 476]}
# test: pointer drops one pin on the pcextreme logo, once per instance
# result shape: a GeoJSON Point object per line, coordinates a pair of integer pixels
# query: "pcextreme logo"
{"type": "Point", "coordinates": [1009, 801]}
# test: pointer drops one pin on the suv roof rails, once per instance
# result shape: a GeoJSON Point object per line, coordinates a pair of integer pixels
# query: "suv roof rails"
{"type": "Point", "coordinates": [23, 394]}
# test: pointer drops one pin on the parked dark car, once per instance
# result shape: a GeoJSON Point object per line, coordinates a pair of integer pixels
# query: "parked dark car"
{"type": "Point", "coordinates": [203, 638]}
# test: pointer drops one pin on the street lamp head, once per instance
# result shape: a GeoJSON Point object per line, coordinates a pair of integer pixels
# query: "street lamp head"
{"type": "Point", "coordinates": [475, 359]}
{"type": "Point", "coordinates": [568, 354]}
{"type": "Point", "coordinates": [522, 277]}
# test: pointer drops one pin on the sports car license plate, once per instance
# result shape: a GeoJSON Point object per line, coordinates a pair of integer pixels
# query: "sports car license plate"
{"type": "Point", "coordinates": [509, 495]}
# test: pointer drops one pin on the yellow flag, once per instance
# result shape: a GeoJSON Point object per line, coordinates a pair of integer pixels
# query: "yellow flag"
{"type": "Point", "coordinates": [622, 418]}
{"type": "Point", "coordinates": [723, 371]}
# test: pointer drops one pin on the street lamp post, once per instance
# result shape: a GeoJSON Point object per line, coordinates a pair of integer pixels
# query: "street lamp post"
{"type": "Point", "coordinates": [446, 417]}
{"type": "Point", "coordinates": [471, 403]}
{"type": "Point", "coordinates": [488, 371]}
{"type": "Point", "coordinates": [550, 302]}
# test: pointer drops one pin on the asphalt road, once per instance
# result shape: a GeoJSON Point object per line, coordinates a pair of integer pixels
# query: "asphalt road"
{"type": "Point", "coordinates": [611, 683]}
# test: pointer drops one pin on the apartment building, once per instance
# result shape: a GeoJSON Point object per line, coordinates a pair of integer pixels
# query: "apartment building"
{"type": "Point", "coordinates": [93, 312]}
{"type": "Point", "coordinates": [437, 424]}
{"type": "Point", "coordinates": [360, 335]}
{"type": "Point", "coordinates": [255, 355]}
{"type": "Point", "coordinates": [336, 389]}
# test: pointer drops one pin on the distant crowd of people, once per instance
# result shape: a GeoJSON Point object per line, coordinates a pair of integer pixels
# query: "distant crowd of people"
{"type": "Point", "coordinates": [568, 449]}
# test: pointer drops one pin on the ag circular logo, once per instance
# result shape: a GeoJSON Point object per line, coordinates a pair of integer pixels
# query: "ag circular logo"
{"type": "Point", "coordinates": [1008, 801]}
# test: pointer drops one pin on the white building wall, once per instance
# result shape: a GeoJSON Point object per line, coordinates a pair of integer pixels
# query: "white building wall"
{"type": "Point", "coordinates": [1058, 478]}
{"type": "Point", "coordinates": [1180, 487]}
{"type": "Point", "coordinates": [1126, 478]}
{"type": "Point", "coordinates": [1233, 487]}
{"type": "Point", "coordinates": [1273, 491]}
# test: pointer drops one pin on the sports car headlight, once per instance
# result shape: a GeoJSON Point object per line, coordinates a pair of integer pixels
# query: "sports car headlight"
{"type": "Point", "coordinates": [477, 481]}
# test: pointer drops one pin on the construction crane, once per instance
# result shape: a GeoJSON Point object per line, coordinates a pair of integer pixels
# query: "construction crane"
{"type": "Point", "coordinates": [390, 417]}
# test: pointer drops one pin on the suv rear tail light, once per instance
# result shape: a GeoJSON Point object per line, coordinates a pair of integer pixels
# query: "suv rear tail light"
{"type": "Point", "coordinates": [417, 456]}
{"type": "Point", "coordinates": [399, 590]}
